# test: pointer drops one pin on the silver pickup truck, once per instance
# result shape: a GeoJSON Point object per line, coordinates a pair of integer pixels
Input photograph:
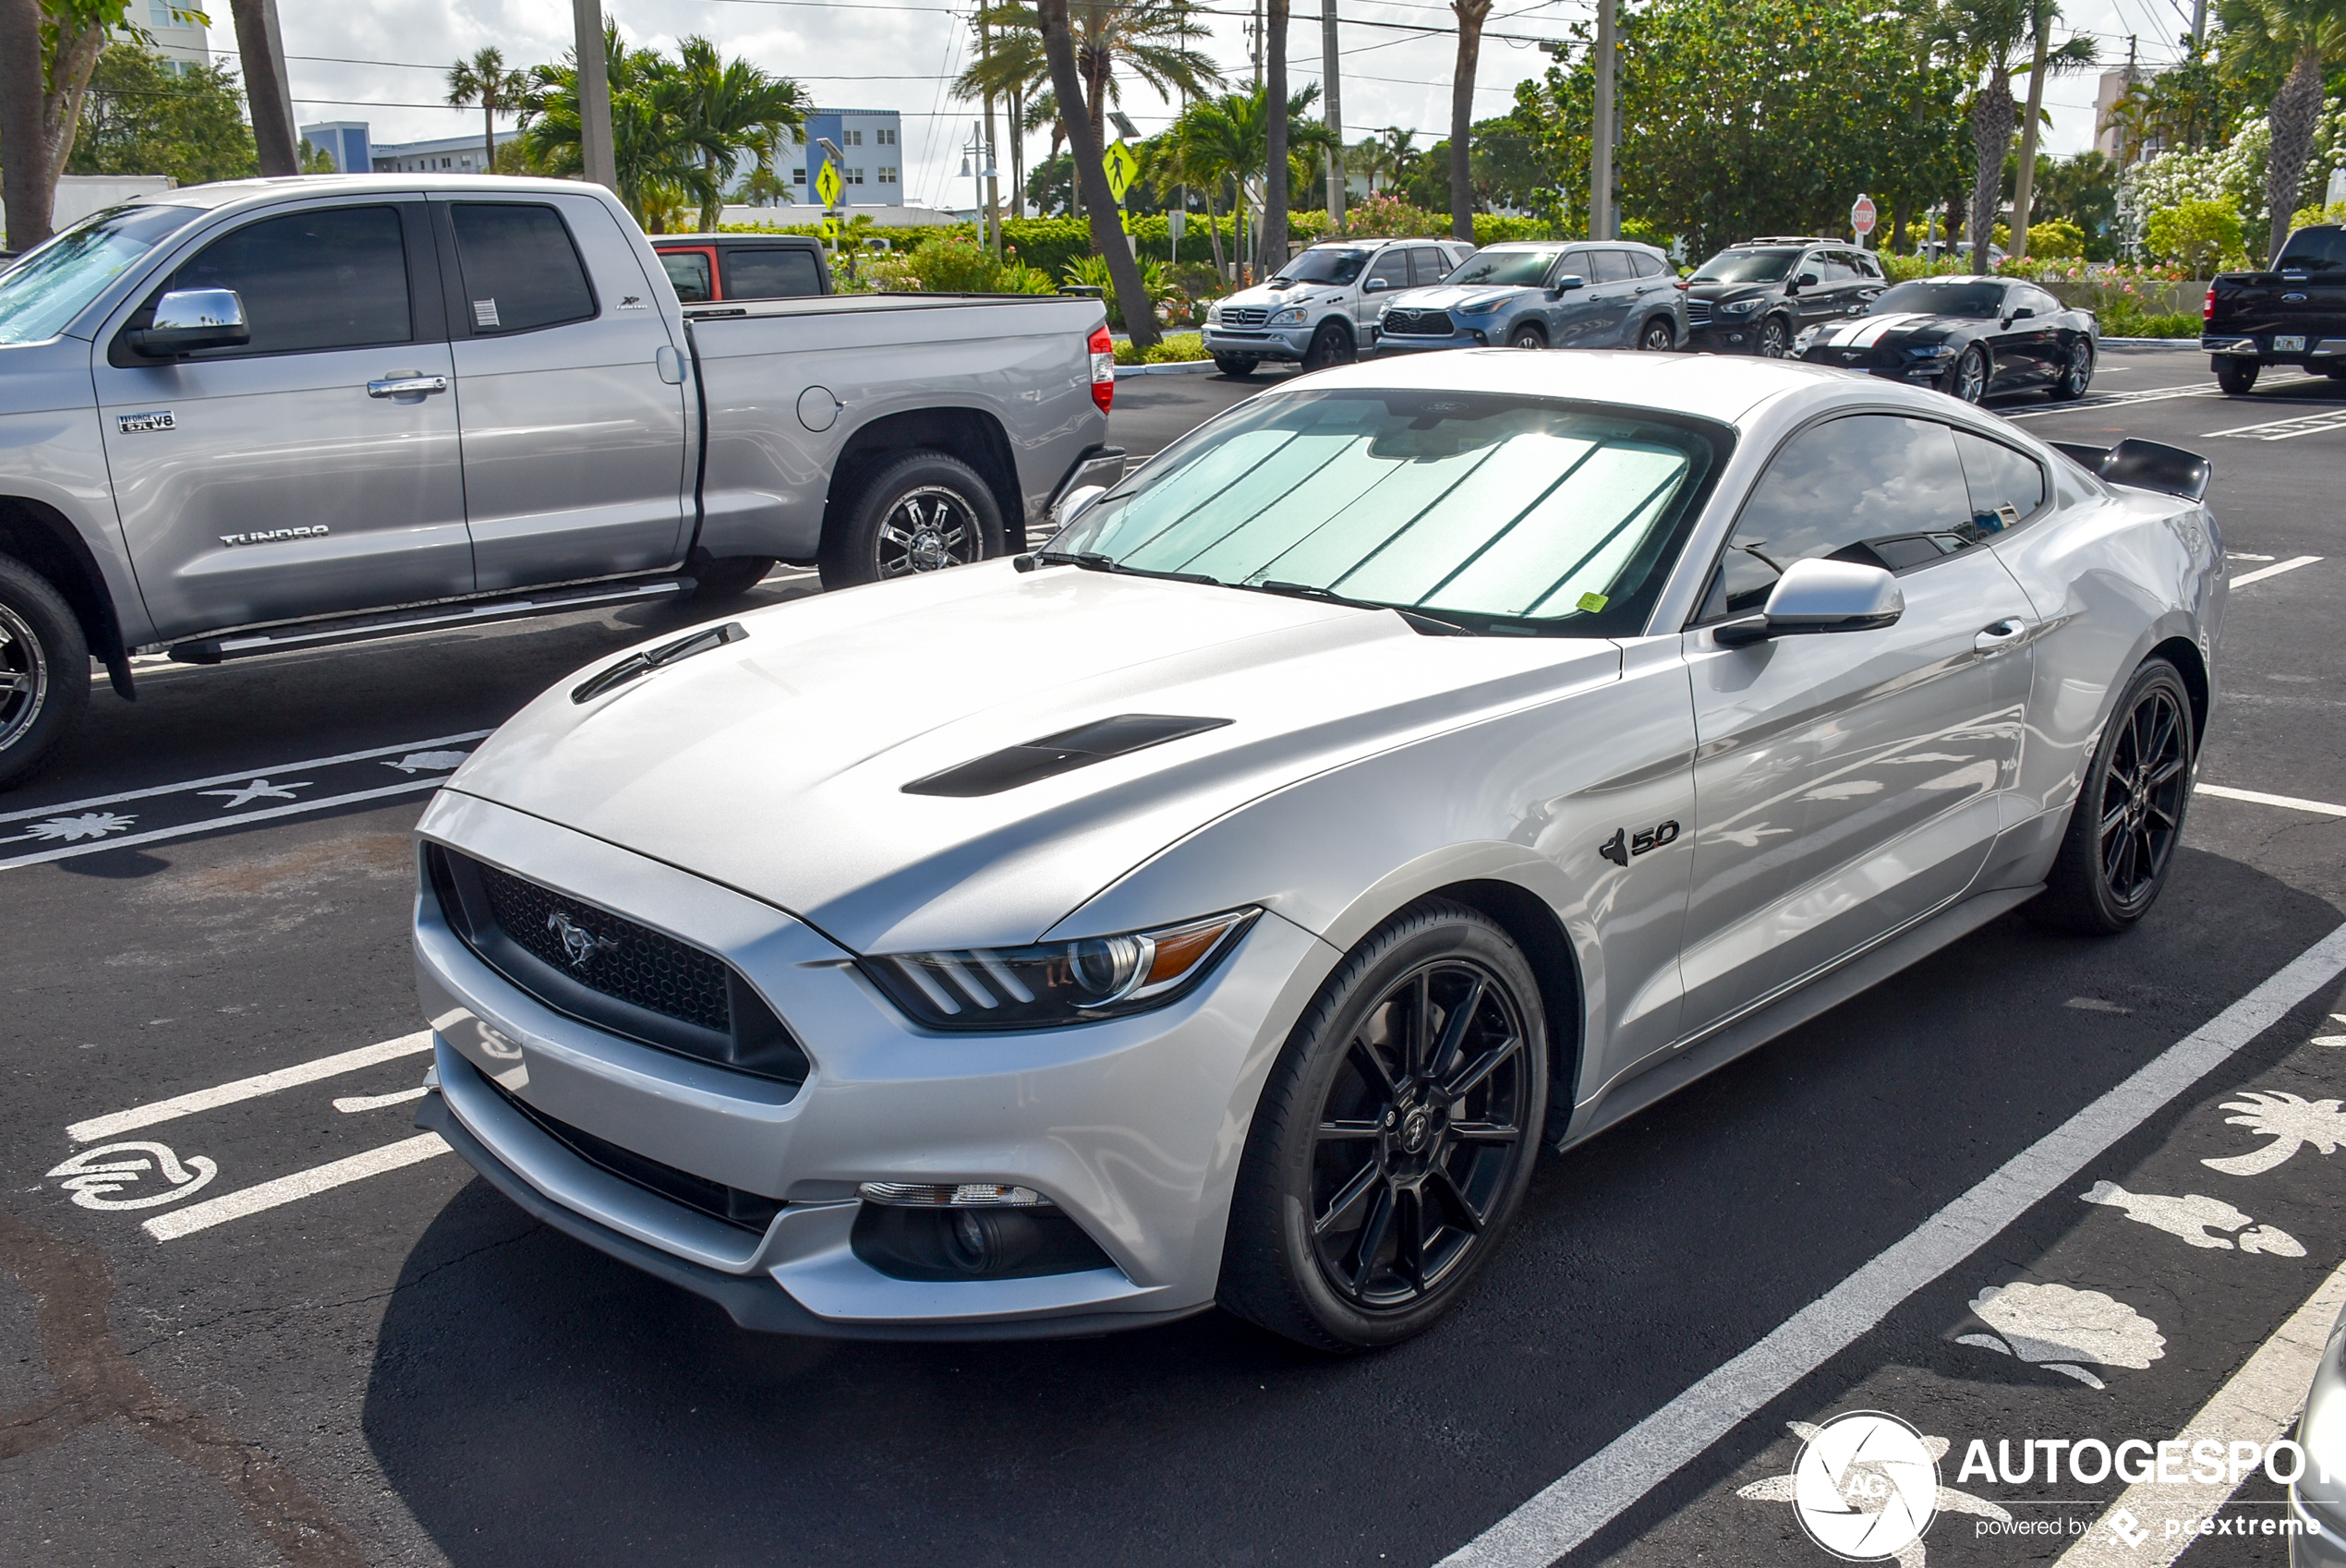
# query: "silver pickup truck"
{"type": "Point", "coordinates": [273, 414]}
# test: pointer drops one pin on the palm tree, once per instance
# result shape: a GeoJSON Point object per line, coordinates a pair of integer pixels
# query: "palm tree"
{"type": "Point", "coordinates": [1471, 15]}
{"type": "Point", "coordinates": [2305, 36]}
{"type": "Point", "coordinates": [1275, 169]}
{"type": "Point", "coordinates": [1228, 138]}
{"type": "Point", "coordinates": [1108, 240]}
{"type": "Point", "coordinates": [650, 144]}
{"type": "Point", "coordinates": [733, 110]}
{"type": "Point", "coordinates": [485, 79]}
{"type": "Point", "coordinates": [1989, 36]}
{"type": "Point", "coordinates": [1009, 65]}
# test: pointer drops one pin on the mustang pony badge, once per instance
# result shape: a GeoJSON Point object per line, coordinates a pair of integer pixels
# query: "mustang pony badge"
{"type": "Point", "coordinates": [581, 943]}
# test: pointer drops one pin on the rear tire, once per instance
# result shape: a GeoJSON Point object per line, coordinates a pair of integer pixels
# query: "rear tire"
{"type": "Point", "coordinates": [728, 577]}
{"type": "Point", "coordinates": [1330, 346]}
{"type": "Point", "coordinates": [2237, 379]}
{"type": "Point", "coordinates": [2119, 846]}
{"type": "Point", "coordinates": [923, 512]}
{"type": "Point", "coordinates": [2076, 372]}
{"type": "Point", "coordinates": [45, 670]}
{"type": "Point", "coordinates": [1377, 1179]}
{"type": "Point", "coordinates": [1236, 365]}
{"type": "Point", "coordinates": [2335, 372]}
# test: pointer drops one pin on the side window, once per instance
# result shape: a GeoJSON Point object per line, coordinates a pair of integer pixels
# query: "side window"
{"type": "Point", "coordinates": [1613, 267]}
{"type": "Point", "coordinates": [520, 269]}
{"type": "Point", "coordinates": [1428, 265]}
{"type": "Point", "coordinates": [1647, 266]}
{"type": "Point", "coordinates": [1391, 264]}
{"type": "Point", "coordinates": [1836, 266]}
{"type": "Point", "coordinates": [1871, 488]}
{"type": "Point", "coordinates": [1578, 264]}
{"type": "Point", "coordinates": [335, 277]}
{"type": "Point", "coordinates": [1869, 266]}
{"type": "Point", "coordinates": [770, 275]}
{"type": "Point", "coordinates": [2006, 485]}
{"type": "Point", "coordinates": [688, 270]}
{"type": "Point", "coordinates": [2043, 304]}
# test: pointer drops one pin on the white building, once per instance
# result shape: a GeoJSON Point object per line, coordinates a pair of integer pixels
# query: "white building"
{"type": "Point", "coordinates": [447, 155]}
{"type": "Point", "coordinates": [179, 37]}
{"type": "Point", "coordinates": [871, 172]}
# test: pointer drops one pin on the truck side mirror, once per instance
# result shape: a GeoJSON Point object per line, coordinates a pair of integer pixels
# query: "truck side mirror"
{"type": "Point", "coordinates": [1375, 285]}
{"type": "Point", "coordinates": [189, 319]}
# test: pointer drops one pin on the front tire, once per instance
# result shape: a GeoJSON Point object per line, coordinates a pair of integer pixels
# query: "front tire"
{"type": "Point", "coordinates": [922, 512]}
{"type": "Point", "coordinates": [1330, 346]}
{"type": "Point", "coordinates": [1236, 365]}
{"type": "Point", "coordinates": [2119, 846]}
{"type": "Point", "coordinates": [45, 670]}
{"type": "Point", "coordinates": [1659, 337]}
{"type": "Point", "coordinates": [1968, 380]}
{"type": "Point", "coordinates": [1528, 336]}
{"type": "Point", "coordinates": [2236, 377]}
{"type": "Point", "coordinates": [1395, 1138]}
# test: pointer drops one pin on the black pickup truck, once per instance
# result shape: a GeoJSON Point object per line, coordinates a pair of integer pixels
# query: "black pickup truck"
{"type": "Point", "coordinates": [2295, 314]}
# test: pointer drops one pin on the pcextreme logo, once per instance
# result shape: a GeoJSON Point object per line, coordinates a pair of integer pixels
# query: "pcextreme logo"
{"type": "Point", "coordinates": [1865, 1485]}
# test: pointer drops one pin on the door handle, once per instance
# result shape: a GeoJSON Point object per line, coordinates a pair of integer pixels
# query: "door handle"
{"type": "Point", "coordinates": [1998, 637]}
{"type": "Point", "coordinates": [407, 386]}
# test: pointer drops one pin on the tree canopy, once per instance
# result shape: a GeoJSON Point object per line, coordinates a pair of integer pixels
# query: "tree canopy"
{"type": "Point", "coordinates": [140, 117]}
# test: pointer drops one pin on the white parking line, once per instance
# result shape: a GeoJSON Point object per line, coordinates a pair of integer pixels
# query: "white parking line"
{"type": "Point", "coordinates": [2148, 394]}
{"type": "Point", "coordinates": [1601, 1487]}
{"type": "Point", "coordinates": [291, 1188]}
{"type": "Point", "coordinates": [2257, 1406]}
{"type": "Point", "coordinates": [2257, 798]}
{"type": "Point", "coordinates": [2274, 571]}
{"type": "Point", "coordinates": [252, 1087]}
{"type": "Point", "coordinates": [2285, 429]}
{"type": "Point", "coordinates": [347, 1103]}
{"type": "Point", "coordinates": [154, 791]}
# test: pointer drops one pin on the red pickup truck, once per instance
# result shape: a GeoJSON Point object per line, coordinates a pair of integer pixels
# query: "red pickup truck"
{"type": "Point", "coordinates": [2295, 314]}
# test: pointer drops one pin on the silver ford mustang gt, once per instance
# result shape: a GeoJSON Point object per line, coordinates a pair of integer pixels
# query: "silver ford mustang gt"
{"type": "Point", "coordinates": [1420, 764]}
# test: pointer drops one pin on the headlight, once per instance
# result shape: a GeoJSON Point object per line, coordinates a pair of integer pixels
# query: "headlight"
{"type": "Point", "coordinates": [1740, 307]}
{"type": "Point", "coordinates": [1480, 306]}
{"type": "Point", "coordinates": [1293, 315]}
{"type": "Point", "coordinates": [1056, 983]}
{"type": "Point", "coordinates": [1214, 313]}
{"type": "Point", "coordinates": [1935, 351]}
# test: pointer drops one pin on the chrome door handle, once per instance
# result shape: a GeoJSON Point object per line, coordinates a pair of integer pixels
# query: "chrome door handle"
{"type": "Point", "coordinates": [407, 386]}
{"type": "Point", "coordinates": [1998, 637]}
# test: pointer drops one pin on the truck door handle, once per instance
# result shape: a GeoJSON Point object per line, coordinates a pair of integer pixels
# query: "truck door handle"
{"type": "Point", "coordinates": [1998, 637]}
{"type": "Point", "coordinates": [407, 386]}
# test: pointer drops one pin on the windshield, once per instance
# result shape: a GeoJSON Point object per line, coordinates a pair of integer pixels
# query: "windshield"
{"type": "Point", "coordinates": [1746, 266]}
{"type": "Point", "coordinates": [1325, 266]}
{"type": "Point", "coordinates": [2315, 250]}
{"type": "Point", "coordinates": [1507, 268]}
{"type": "Point", "coordinates": [49, 287]}
{"type": "Point", "coordinates": [1501, 514]}
{"type": "Point", "coordinates": [1943, 297]}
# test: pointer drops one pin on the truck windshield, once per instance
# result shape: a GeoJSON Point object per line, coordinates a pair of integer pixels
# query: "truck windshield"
{"type": "Point", "coordinates": [1943, 297]}
{"type": "Point", "coordinates": [1320, 265]}
{"type": "Point", "coordinates": [1746, 266]}
{"type": "Point", "coordinates": [2315, 250]}
{"type": "Point", "coordinates": [1502, 514]}
{"type": "Point", "coordinates": [1506, 269]}
{"type": "Point", "coordinates": [48, 289]}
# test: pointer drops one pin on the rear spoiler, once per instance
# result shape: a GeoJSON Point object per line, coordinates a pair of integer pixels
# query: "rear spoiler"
{"type": "Point", "coordinates": [2144, 466]}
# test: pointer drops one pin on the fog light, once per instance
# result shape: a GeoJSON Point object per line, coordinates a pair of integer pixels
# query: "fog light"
{"type": "Point", "coordinates": [950, 1195]}
{"type": "Point", "coordinates": [983, 1242]}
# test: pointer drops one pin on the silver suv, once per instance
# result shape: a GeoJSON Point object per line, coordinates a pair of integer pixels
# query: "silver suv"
{"type": "Point", "coordinates": [1321, 307]}
{"type": "Point", "coordinates": [1526, 295]}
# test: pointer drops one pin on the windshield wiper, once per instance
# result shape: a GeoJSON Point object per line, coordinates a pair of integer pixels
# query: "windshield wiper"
{"type": "Point", "coordinates": [1430, 625]}
{"type": "Point", "coordinates": [1092, 561]}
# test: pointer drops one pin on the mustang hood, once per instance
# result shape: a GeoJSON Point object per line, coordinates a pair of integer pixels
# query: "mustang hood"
{"type": "Point", "coordinates": [775, 763]}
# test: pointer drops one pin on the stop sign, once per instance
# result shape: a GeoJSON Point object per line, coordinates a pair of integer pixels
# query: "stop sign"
{"type": "Point", "coordinates": [1861, 217]}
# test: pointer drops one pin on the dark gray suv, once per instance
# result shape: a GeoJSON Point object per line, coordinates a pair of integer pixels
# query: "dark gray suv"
{"type": "Point", "coordinates": [1755, 297]}
{"type": "Point", "coordinates": [1543, 294]}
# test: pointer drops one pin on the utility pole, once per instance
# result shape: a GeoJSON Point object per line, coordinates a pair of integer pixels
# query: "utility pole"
{"type": "Point", "coordinates": [2198, 28]}
{"type": "Point", "coordinates": [1603, 222]}
{"type": "Point", "coordinates": [993, 191]}
{"type": "Point", "coordinates": [266, 92]}
{"type": "Point", "coordinates": [1255, 29]}
{"type": "Point", "coordinates": [2024, 188]}
{"type": "Point", "coordinates": [594, 147]}
{"type": "Point", "coordinates": [1335, 115]}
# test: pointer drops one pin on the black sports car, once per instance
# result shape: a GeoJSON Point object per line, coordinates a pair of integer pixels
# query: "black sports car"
{"type": "Point", "coordinates": [1969, 337]}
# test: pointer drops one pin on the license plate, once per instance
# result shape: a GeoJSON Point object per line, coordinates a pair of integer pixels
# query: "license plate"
{"type": "Point", "coordinates": [2288, 346]}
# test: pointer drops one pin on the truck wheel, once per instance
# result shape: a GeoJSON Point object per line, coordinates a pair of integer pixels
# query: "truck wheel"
{"type": "Point", "coordinates": [1236, 365]}
{"type": "Point", "coordinates": [45, 670]}
{"type": "Point", "coordinates": [1330, 346]}
{"type": "Point", "coordinates": [923, 512]}
{"type": "Point", "coordinates": [728, 577]}
{"type": "Point", "coordinates": [2236, 377]}
{"type": "Point", "coordinates": [2335, 372]}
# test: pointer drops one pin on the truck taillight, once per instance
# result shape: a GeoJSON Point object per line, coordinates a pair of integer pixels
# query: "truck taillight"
{"type": "Point", "coordinates": [2207, 306]}
{"type": "Point", "coordinates": [1102, 349]}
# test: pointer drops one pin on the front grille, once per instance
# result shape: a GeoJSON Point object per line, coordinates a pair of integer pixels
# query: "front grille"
{"type": "Point", "coordinates": [1419, 323]}
{"type": "Point", "coordinates": [749, 1211]}
{"type": "Point", "coordinates": [1244, 315]}
{"type": "Point", "coordinates": [616, 956]}
{"type": "Point", "coordinates": [1698, 313]}
{"type": "Point", "coordinates": [615, 973]}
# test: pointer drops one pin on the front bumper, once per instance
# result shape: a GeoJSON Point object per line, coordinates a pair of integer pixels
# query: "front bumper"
{"type": "Point", "coordinates": [1123, 1123]}
{"type": "Point", "coordinates": [1911, 372]}
{"type": "Point", "coordinates": [1257, 342]}
{"type": "Point", "coordinates": [1411, 343]}
{"type": "Point", "coordinates": [1727, 334]}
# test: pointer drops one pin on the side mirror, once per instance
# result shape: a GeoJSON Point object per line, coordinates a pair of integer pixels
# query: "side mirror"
{"type": "Point", "coordinates": [1375, 285]}
{"type": "Point", "coordinates": [1819, 596]}
{"type": "Point", "coordinates": [191, 318]}
{"type": "Point", "coordinates": [1806, 280]}
{"type": "Point", "coordinates": [1570, 282]}
{"type": "Point", "coordinates": [1071, 504]}
{"type": "Point", "coordinates": [2021, 312]}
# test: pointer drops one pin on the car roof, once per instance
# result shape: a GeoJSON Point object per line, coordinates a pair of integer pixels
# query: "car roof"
{"type": "Point", "coordinates": [229, 193]}
{"type": "Point", "coordinates": [758, 238]}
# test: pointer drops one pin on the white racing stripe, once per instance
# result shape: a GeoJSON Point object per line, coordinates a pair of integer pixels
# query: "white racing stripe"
{"type": "Point", "coordinates": [293, 1188]}
{"type": "Point", "coordinates": [1601, 1487]}
{"type": "Point", "coordinates": [1877, 327]}
{"type": "Point", "coordinates": [2257, 1406]}
{"type": "Point", "coordinates": [252, 1088]}
{"type": "Point", "coordinates": [2264, 572]}
{"type": "Point", "coordinates": [2256, 798]}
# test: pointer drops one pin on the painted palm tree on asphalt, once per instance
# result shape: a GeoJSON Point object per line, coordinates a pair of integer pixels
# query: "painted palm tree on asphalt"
{"type": "Point", "coordinates": [487, 80]}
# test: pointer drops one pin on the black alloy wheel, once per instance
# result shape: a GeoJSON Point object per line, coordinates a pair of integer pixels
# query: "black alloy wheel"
{"type": "Point", "coordinates": [2076, 371]}
{"type": "Point", "coordinates": [1968, 380]}
{"type": "Point", "coordinates": [2237, 377]}
{"type": "Point", "coordinates": [1775, 337]}
{"type": "Point", "coordinates": [1330, 346]}
{"type": "Point", "coordinates": [1527, 336]}
{"type": "Point", "coordinates": [1396, 1136]}
{"type": "Point", "coordinates": [2119, 846]}
{"type": "Point", "coordinates": [923, 512]}
{"type": "Point", "coordinates": [1659, 337]}
{"type": "Point", "coordinates": [45, 670]}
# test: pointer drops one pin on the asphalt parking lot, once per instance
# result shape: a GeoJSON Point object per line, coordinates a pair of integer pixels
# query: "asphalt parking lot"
{"type": "Point", "coordinates": [299, 1332]}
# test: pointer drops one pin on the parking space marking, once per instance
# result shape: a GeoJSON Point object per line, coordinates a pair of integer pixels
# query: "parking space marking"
{"type": "Point", "coordinates": [1597, 1491]}
{"type": "Point", "coordinates": [2292, 564]}
{"type": "Point", "coordinates": [2257, 798]}
{"type": "Point", "coordinates": [191, 784]}
{"type": "Point", "coordinates": [2149, 394]}
{"type": "Point", "coordinates": [252, 1088]}
{"type": "Point", "coordinates": [293, 1188]}
{"type": "Point", "coordinates": [349, 1103]}
{"type": "Point", "coordinates": [2256, 1406]}
{"type": "Point", "coordinates": [2285, 429]}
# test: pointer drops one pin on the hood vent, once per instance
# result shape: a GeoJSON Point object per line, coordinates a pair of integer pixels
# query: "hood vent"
{"type": "Point", "coordinates": [1063, 753]}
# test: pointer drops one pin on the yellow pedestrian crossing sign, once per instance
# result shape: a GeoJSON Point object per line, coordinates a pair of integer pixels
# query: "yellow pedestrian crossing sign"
{"type": "Point", "coordinates": [830, 228]}
{"type": "Point", "coordinates": [1122, 166]}
{"type": "Point", "coordinates": [827, 184]}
